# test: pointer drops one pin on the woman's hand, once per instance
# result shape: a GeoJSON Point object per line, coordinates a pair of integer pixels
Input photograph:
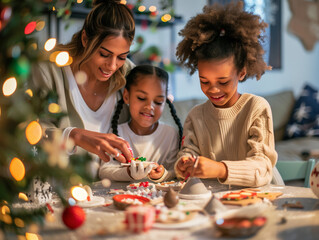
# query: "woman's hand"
{"type": "Point", "coordinates": [184, 166]}
{"type": "Point", "coordinates": [102, 144]}
{"type": "Point", "coordinates": [157, 171]}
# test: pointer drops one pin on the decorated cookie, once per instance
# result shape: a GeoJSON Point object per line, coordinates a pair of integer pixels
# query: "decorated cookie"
{"type": "Point", "coordinates": [314, 180]}
{"type": "Point", "coordinates": [140, 186]}
{"type": "Point", "coordinates": [164, 186]}
{"type": "Point", "coordinates": [139, 219]}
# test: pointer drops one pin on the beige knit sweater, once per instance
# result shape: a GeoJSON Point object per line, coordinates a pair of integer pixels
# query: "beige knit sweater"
{"type": "Point", "coordinates": [240, 136]}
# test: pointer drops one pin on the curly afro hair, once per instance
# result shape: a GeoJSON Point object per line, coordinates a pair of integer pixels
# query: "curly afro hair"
{"type": "Point", "coordinates": [221, 32]}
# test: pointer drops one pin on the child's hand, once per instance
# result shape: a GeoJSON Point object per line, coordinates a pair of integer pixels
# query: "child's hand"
{"type": "Point", "coordinates": [185, 166]}
{"type": "Point", "coordinates": [137, 171]}
{"type": "Point", "coordinates": [157, 171]}
{"type": "Point", "coordinates": [208, 168]}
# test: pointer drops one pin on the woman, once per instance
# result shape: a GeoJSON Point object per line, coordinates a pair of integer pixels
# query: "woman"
{"type": "Point", "coordinates": [99, 50]}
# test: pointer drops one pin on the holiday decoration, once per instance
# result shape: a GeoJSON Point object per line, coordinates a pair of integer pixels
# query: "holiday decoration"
{"type": "Point", "coordinates": [305, 22]}
{"type": "Point", "coordinates": [27, 160]}
{"type": "Point", "coordinates": [73, 217]}
{"type": "Point", "coordinates": [314, 180]}
{"type": "Point", "coordinates": [139, 218]}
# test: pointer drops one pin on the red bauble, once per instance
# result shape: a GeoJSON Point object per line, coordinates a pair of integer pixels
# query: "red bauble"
{"type": "Point", "coordinates": [73, 216]}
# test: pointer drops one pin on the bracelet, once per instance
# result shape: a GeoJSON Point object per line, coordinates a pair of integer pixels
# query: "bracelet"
{"type": "Point", "coordinates": [65, 137]}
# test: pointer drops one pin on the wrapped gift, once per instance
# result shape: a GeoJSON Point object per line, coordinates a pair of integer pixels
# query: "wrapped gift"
{"type": "Point", "coordinates": [139, 218]}
{"type": "Point", "coordinates": [40, 192]}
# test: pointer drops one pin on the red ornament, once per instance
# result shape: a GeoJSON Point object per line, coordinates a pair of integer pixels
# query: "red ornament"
{"type": "Point", "coordinates": [73, 217]}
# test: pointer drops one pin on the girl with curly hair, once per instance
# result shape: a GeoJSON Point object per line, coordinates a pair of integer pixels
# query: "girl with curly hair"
{"type": "Point", "coordinates": [231, 133]}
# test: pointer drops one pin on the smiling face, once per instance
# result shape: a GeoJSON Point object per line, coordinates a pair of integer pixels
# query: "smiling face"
{"type": "Point", "coordinates": [146, 101]}
{"type": "Point", "coordinates": [219, 81]}
{"type": "Point", "coordinates": [109, 57]}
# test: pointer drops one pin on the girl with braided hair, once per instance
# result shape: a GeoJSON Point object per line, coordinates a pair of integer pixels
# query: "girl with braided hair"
{"type": "Point", "coordinates": [146, 93]}
{"type": "Point", "coordinates": [231, 133]}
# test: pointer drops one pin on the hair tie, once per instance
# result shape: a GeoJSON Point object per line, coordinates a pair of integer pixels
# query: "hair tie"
{"type": "Point", "coordinates": [222, 32]}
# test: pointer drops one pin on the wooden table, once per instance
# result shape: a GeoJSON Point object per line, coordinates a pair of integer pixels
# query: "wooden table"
{"type": "Point", "coordinates": [300, 223]}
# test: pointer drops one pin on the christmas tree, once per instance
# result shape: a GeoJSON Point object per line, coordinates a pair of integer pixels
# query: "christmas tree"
{"type": "Point", "coordinates": [24, 154]}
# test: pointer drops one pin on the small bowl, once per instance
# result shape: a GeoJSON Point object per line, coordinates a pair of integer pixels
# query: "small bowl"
{"type": "Point", "coordinates": [117, 200]}
{"type": "Point", "coordinates": [240, 227]}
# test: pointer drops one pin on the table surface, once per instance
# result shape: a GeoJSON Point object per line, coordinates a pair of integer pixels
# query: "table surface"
{"type": "Point", "coordinates": [101, 222]}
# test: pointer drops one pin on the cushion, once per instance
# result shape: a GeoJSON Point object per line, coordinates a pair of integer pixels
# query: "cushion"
{"type": "Point", "coordinates": [281, 104]}
{"type": "Point", "coordinates": [304, 120]}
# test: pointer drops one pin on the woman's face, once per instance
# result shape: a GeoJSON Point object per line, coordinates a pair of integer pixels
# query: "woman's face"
{"type": "Point", "coordinates": [146, 102]}
{"type": "Point", "coordinates": [219, 81]}
{"type": "Point", "coordinates": [110, 56]}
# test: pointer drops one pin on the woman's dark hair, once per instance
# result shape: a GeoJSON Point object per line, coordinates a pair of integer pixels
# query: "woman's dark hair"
{"type": "Point", "coordinates": [221, 32]}
{"type": "Point", "coordinates": [131, 79]}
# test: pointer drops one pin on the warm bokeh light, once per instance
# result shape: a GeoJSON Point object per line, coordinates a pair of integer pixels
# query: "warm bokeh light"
{"type": "Point", "coordinates": [80, 77]}
{"type": "Point", "coordinates": [19, 222]}
{"type": "Point", "coordinates": [23, 196]}
{"type": "Point", "coordinates": [29, 92]}
{"type": "Point", "coordinates": [7, 219]}
{"type": "Point", "coordinates": [79, 1]}
{"type": "Point", "coordinates": [54, 108]}
{"type": "Point", "coordinates": [31, 236]}
{"type": "Point", "coordinates": [166, 17]}
{"type": "Point", "coordinates": [17, 169]}
{"type": "Point", "coordinates": [33, 46]}
{"type": "Point", "coordinates": [79, 193]}
{"type": "Point", "coordinates": [30, 27]}
{"type": "Point", "coordinates": [9, 86]}
{"type": "Point", "coordinates": [50, 44]}
{"type": "Point", "coordinates": [152, 8]}
{"type": "Point", "coordinates": [33, 132]}
{"type": "Point", "coordinates": [63, 59]}
{"type": "Point", "coordinates": [141, 8]}
{"type": "Point", "coordinates": [123, 2]}
{"type": "Point", "coordinates": [5, 210]}
{"type": "Point", "coordinates": [40, 25]}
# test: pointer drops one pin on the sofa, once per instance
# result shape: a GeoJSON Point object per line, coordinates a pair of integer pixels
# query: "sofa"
{"type": "Point", "coordinates": [282, 105]}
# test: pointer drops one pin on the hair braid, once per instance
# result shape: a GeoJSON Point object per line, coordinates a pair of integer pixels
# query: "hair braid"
{"type": "Point", "coordinates": [116, 116]}
{"type": "Point", "coordinates": [176, 119]}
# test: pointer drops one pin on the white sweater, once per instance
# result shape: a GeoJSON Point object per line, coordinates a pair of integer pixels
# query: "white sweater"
{"type": "Point", "coordinates": [240, 136]}
{"type": "Point", "coordinates": [161, 147]}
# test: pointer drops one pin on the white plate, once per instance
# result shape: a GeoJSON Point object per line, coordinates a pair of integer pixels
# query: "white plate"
{"type": "Point", "coordinates": [95, 201]}
{"type": "Point", "coordinates": [195, 196]}
{"type": "Point", "coordinates": [200, 218]}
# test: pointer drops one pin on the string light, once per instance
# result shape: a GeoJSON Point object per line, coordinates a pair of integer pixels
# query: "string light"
{"type": "Point", "coordinates": [19, 222]}
{"type": "Point", "coordinates": [63, 58]}
{"type": "Point", "coordinates": [54, 108]}
{"type": "Point", "coordinates": [29, 92]}
{"type": "Point", "coordinates": [50, 44]}
{"type": "Point", "coordinates": [9, 86]}
{"type": "Point", "coordinates": [166, 17]}
{"type": "Point", "coordinates": [30, 27]}
{"type": "Point", "coordinates": [33, 132]}
{"type": "Point", "coordinates": [79, 193]}
{"type": "Point", "coordinates": [23, 196]}
{"type": "Point", "coordinates": [31, 236]}
{"type": "Point", "coordinates": [152, 9]}
{"type": "Point", "coordinates": [17, 169]}
{"type": "Point", "coordinates": [142, 8]}
{"type": "Point", "coordinates": [40, 25]}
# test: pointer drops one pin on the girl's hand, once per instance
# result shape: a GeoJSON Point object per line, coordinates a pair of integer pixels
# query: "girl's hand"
{"type": "Point", "coordinates": [184, 166]}
{"type": "Point", "coordinates": [102, 144]}
{"type": "Point", "coordinates": [137, 170]}
{"type": "Point", "coordinates": [157, 171]}
{"type": "Point", "coordinates": [208, 168]}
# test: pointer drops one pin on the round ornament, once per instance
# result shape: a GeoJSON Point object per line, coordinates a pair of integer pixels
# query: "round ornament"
{"type": "Point", "coordinates": [73, 216]}
{"type": "Point", "coordinates": [314, 180]}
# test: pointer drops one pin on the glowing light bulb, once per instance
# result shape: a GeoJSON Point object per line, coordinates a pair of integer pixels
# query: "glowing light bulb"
{"type": "Point", "coordinates": [9, 86]}
{"type": "Point", "coordinates": [79, 1]}
{"type": "Point", "coordinates": [40, 25]}
{"type": "Point", "coordinates": [152, 8]}
{"type": "Point", "coordinates": [30, 27]}
{"type": "Point", "coordinates": [54, 108]}
{"type": "Point", "coordinates": [166, 17]}
{"type": "Point", "coordinates": [33, 132]}
{"type": "Point", "coordinates": [79, 194]}
{"type": "Point", "coordinates": [29, 92]}
{"type": "Point", "coordinates": [62, 58]}
{"type": "Point", "coordinates": [23, 196]}
{"type": "Point", "coordinates": [141, 8]}
{"type": "Point", "coordinates": [17, 169]}
{"type": "Point", "coordinates": [19, 222]}
{"type": "Point", "coordinates": [50, 44]}
{"type": "Point", "coordinates": [123, 2]}
{"type": "Point", "coordinates": [31, 236]}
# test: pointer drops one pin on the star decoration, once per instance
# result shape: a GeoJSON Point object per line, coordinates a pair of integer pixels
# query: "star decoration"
{"type": "Point", "coordinates": [302, 112]}
{"type": "Point", "coordinates": [304, 22]}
